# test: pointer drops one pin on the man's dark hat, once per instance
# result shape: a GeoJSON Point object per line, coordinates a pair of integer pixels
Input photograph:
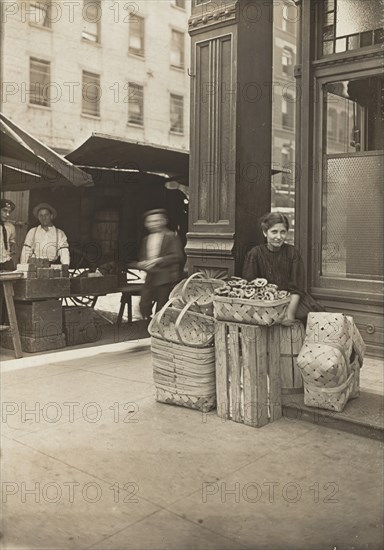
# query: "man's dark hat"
{"type": "Point", "coordinates": [156, 211]}
{"type": "Point", "coordinates": [6, 203]}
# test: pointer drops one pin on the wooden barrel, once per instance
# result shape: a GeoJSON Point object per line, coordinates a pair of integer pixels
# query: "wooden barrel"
{"type": "Point", "coordinates": [291, 342]}
{"type": "Point", "coordinates": [105, 230]}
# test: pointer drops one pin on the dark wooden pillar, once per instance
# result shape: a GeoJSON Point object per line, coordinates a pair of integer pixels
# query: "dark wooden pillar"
{"type": "Point", "coordinates": [231, 123]}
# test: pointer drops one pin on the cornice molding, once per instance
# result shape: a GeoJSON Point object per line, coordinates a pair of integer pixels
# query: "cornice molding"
{"type": "Point", "coordinates": [213, 17]}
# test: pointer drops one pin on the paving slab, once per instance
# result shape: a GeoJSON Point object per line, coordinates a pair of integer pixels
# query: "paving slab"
{"type": "Point", "coordinates": [47, 504]}
{"type": "Point", "coordinates": [326, 491]}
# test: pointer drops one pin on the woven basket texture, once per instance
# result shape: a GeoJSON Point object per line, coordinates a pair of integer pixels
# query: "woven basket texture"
{"type": "Point", "coordinates": [184, 376]}
{"type": "Point", "coordinates": [182, 326]}
{"type": "Point", "coordinates": [335, 398]}
{"type": "Point", "coordinates": [330, 359]}
{"type": "Point", "coordinates": [198, 289]}
{"type": "Point", "coordinates": [254, 312]}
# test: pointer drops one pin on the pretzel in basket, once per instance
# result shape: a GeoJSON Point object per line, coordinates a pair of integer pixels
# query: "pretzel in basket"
{"type": "Point", "coordinates": [223, 290]}
{"type": "Point", "coordinates": [259, 282]}
{"type": "Point", "coordinates": [249, 292]}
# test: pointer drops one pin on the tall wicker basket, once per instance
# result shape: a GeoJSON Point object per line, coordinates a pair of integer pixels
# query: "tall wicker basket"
{"type": "Point", "coordinates": [183, 357]}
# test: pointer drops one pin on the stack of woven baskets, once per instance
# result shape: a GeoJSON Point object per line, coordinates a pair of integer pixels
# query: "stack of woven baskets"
{"type": "Point", "coordinates": [183, 354]}
{"type": "Point", "coordinates": [330, 360]}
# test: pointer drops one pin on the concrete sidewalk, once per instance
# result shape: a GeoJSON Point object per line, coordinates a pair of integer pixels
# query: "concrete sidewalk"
{"type": "Point", "coordinates": [90, 460]}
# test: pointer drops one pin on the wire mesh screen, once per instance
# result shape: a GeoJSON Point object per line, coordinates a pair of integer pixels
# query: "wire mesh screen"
{"type": "Point", "coordinates": [353, 217]}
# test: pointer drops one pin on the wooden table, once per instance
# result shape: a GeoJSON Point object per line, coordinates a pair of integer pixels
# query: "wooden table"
{"type": "Point", "coordinates": [127, 291]}
{"type": "Point", "coordinates": [7, 278]}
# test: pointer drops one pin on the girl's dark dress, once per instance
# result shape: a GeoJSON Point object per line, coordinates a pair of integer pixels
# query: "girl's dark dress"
{"type": "Point", "coordinates": [284, 268]}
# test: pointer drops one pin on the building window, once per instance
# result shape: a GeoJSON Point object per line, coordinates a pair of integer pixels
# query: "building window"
{"type": "Point", "coordinates": [332, 124]}
{"type": "Point", "coordinates": [350, 25]}
{"type": "Point", "coordinates": [287, 110]}
{"type": "Point", "coordinates": [135, 104]}
{"type": "Point", "coordinates": [39, 80]}
{"type": "Point", "coordinates": [177, 49]}
{"type": "Point", "coordinates": [179, 4]}
{"type": "Point", "coordinates": [177, 113]}
{"type": "Point", "coordinates": [91, 93]}
{"type": "Point", "coordinates": [287, 61]}
{"type": "Point", "coordinates": [91, 20]}
{"type": "Point", "coordinates": [136, 36]}
{"type": "Point", "coordinates": [39, 13]}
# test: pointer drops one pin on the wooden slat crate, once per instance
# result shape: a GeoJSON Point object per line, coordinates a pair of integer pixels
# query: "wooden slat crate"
{"type": "Point", "coordinates": [93, 285]}
{"type": "Point", "coordinates": [79, 325]}
{"type": "Point", "coordinates": [248, 387]}
{"type": "Point", "coordinates": [34, 345]}
{"type": "Point", "coordinates": [39, 319]}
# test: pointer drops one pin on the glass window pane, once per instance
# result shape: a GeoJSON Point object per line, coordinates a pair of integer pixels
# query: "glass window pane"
{"type": "Point", "coordinates": [39, 80]}
{"type": "Point", "coordinates": [354, 42]}
{"type": "Point", "coordinates": [366, 39]}
{"type": "Point", "coordinates": [340, 45]}
{"type": "Point", "coordinates": [355, 16]}
{"type": "Point", "coordinates": [91, 94]}
{"type": "Point", "coordinates": [353, 218]}
{"type": "Point", "coordinates": [328, 47]}
{"type": "Point", "coordinates": [357, 103]}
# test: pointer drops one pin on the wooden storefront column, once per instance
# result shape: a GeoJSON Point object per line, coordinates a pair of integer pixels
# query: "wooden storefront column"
{"type": "Point", "coordinates": [231, 123]}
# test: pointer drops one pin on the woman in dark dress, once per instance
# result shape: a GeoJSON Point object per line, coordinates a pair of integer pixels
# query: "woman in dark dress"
{"type": "Point", "coordinates": [281, 264]}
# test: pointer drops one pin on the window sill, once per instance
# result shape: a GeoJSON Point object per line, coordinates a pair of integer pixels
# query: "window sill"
{"type": "Point", "coordinates": [90, 117]}
{"type": "Point", "coordinates": [178, 68]}
{"type": "Point", "coordinates": [179, 8]}
{"type": "Point", "coordinates": [133, 125]}
{"type": "Point", "coordinates": [40, 107]}
{"type": "Point", "coordinates": [174, 133]}
{"type": "Point", "coordinates": [92, 42]}
{"type": "Point", "coordinates": [37, 26]}
{"type": "Point", "coordinates": [137, 56]}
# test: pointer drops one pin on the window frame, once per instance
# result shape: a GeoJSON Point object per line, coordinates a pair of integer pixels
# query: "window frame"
{"type": "Point", "coordinates": [47, 64]}
{"type": "Point", "coordinates": [180, 67]}
{"type": "Point", "coordinates": [137, 85]}
{"type": "Point", "coordinates": [320, 283]}
{"type": "Point", "coordinates": [47, 5]}
{"type": "Point", "coordinates": [134, 51]}
{"type": "Point", "coordinates": [97, 23]}
{"type": "Point", "coordinates": [174, 95]}
{"type": "Point", "coordinates": [83, 112]}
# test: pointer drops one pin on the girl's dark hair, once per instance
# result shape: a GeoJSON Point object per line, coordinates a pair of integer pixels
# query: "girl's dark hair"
{"type": "Point", "coordinates": [271, 219]}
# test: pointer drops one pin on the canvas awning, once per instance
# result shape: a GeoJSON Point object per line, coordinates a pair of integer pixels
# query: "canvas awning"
{"type": "Point", "coordinates": [105, 151]}
{"type": "Point", "coordinates": [26, 163]}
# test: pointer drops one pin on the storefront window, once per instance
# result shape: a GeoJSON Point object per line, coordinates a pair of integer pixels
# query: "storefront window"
{"type": "Point", "coordinates": [351, 24]}
{"type": "Point", "coordinates": [352, 212]}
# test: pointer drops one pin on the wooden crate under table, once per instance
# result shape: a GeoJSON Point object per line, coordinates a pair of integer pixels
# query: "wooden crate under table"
{"type": "Point", "coordinates": [35, 289]}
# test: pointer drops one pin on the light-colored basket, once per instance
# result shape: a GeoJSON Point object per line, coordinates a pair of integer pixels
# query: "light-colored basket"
{"type": "Point", "coordinates": [199, 290]}
{"type": "Point", "coordinates": [330, 360]}
{"type": "Point", "coordinates": [182, 326]}
{"type": "Point", "coordinates": [253, 312]}
{"type": "Point", "coordinates": [334, 398]}
{"type": "Point", "coordinates": [184, 376]}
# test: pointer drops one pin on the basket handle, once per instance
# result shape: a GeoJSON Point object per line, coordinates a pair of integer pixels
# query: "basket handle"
{"type": "Point", "coordinates": [198, 274]}
{"type": "Point", "coordinates": [178, 322]}
{"type": "Point", "coordinates": [159, 316]}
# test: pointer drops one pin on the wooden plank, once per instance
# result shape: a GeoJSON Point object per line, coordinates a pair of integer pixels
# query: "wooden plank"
{"type": "Point", "coordinates": [261, 376]}
{"type": "Point", "coordinates": [14, 329]}
{"type": "Point", "coordinates": [249, 343]}
{"type": "Point", "coordinates": [235, 372]}
{"type": "Point", "coordinates": [274, 372]}
{"type": "Point", "coordinates": [298, 335]}
{"type": "Point", "coordinates": [221, 370]}
{"type": "Point", "coordinates": [286, 364]}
